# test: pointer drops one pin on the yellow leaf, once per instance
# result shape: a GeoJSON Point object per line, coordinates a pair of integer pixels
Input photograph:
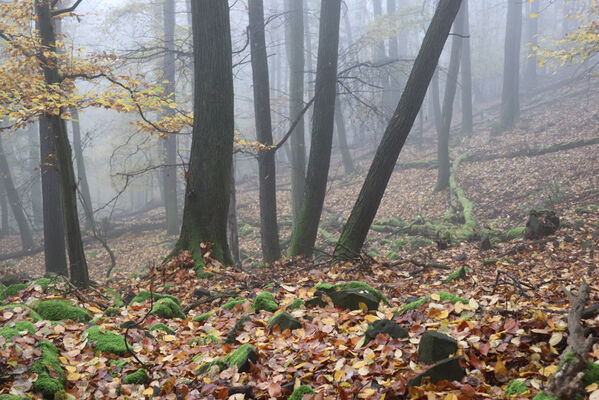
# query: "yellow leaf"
{"type": "Point", "coordinates": [328, 321]}
{"type": "Point", "coordinates": [169, 338]}
{"type": "Point", "coordinates": [94, 310]}
{"type": "Point", "coordinates": [458, 307]}
{"type": "Point", "coordinates": [550, 370]}
{"type": "Point", "coordinates": [70, 368]}
{"type": "Point", "coordinates": [533, 15]}
{"type": "Point", "coordinates": [556, 338]}
{"type": "Point", "coordinates": [74, 376]}
{"type": "Point", "coordinates": [148, 392]}
{"type": "Point", "coordinates": [339, 375]}
{"type": "Point", "coordinates": [366, 393]}
{"type": "Point", "coordinates": [363, 306]}
{"type": "Point", "coordinates": [436, 297]}
{"type": "Point", "coordinates": [451, 396]}
{"type": "Point", "coordinates": [370, 318]}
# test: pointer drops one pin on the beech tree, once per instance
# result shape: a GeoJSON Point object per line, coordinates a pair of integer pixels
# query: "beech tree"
{"type": "Point", "coordinates": [510, 97]}
{"type": "Point", "coordinates": [466, 72]}
{"type": "Point", "coordinates": [364, 210]}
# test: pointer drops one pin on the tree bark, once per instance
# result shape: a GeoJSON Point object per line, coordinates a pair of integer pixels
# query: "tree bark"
{"type": "Point", "coordinates": [348, 164]}
{"type": "Point", "coordinates": [232, 229]}
{"type": "Point", "coordinates": [208, 182]}
{"type": "Point", "coordinates": [15, 202]}
{"type": "Point", "coordinates": [266, 159]}
{"type": "Point", "coordinates": [304, 235]}
{"type": "Point", "coordinates": [510, 98]}
{"type": "Point", "coordinates": [295, 37]}
{"type": "Point", "coordinates": [82, 183]}
{"type": "Point", "coordinates": [530, 80]}
{"type": "Point", "coordinates": [435, 100]}
{"type": "Point", "coordinates": [4, 229]}
{"type": "Point", "coordinates": [169, 176]}
{"type": "Point", "coordinates": [466, 70]}
{"type": "Point", "coordinates": [34, 167]}
{"type": "Point", "coordinates": [364, 210]}
{"type": "Point", "coordinates": [57, 127]}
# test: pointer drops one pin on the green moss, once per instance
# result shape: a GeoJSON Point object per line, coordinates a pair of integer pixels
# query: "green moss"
{"type": "Point", "coordinates": [329, 238]}
{"type": "Point", "coordinates": [208, 366]}
{"type": "Point", "coordinates": [117, 300]}
{"type": "Point", "coordinates": [144, 296]}
{"type": "Point", "coordinates": [203, 340]}
{"type": "Point", "coordinates": [105, 341]}
{"type": "Point", "coordinates": [591, 373]}
{"type": "Point", "coordinates": [51, 377]}
{"type": "Point", "coordinates": [112, 312]}
{"type": "Point", "coordinates": [515, 233]}
{"type": "Point", "coordinates": [20, 328]}
{"type": "Point", "coordinates": [417, 242]}
{"type": "Point", "coordinates": [544, 396]}
{"type": "Point", "coordinates": [13, 290]}
{"type": "Point", "coordinates": [388, 221]}
{"type": "Point", "coordinates": [391, 255]}
{"type": "Point", "coordinates": [118, 363]}
{"type": "Point", "coordinates": [413, 305]}
{"type": "Point", "coordinates": [460, 273]}
{"type": "Point", "coordinates": [56, 310]}
{"type": "Point", "coordinates": [232, 302]}
{"type": "Point", "coordinates": [201, 318]}
{"type": "Point", "coordinates": [295, 304]}
{"type": "Point", "coordinates": [138, 377]}
{"type": "Point", "coordinates": [43, 282]}
{"type": "Point", "coordinates": [490, 261]}
{"type": "Point", "coordinates": [32, 314]}
{"type": "Point", "coordinates": [12, 397]}
{"type": "Point", "coordinates": [239, 356]}
{"type": "Point", "coordinates": [162, 327]}
{"type": "Point", "coordinates": [265, 301]}
{"type": "Point", "coordinates": [446, 296]}
{"type": "Point", "coordinates": [353, 285]}
{"type": "Point", "coordinates": [2, 292]}
{"type": "Point", "coordinates": [515, 387]}
{"type": "Point", "coordinates": [167, 308]}
{"type": "Point", "coordinates": [300, 392]}
{"type": "Point", "coordinates": [245, 229]}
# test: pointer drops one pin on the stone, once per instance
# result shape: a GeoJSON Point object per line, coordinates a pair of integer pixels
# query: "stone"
{"type": "Point", "coordinates": [386, 326]}
{"type": "Point", "coordinates": [242, 357]}
{"type": "Point", "coordinates": [448, 369]}
{"type": "Point", "coordinates": [315, 302]}
{"type": "Point", "coordinates": [435, 346]}
{"type": "Point", "coordinates": [284, 320]}
{"type": "Point", "coordinates": [57, 310]}
{"type": "Point", "coordinates": [541, 223]}
{"type": "Point", "coordinates": [354, 299]}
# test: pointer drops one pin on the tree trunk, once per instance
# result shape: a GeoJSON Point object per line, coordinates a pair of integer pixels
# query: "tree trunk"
{"type": "Point", "coordinates": [466, 70]}
{"type": "Point", "coordinates": [451, 85]}
{"type": "Point", "coordinates": [83, 185]}
{"type": "Point", "coordinates": [533, 41]}
{"type": "Point", "coordinates": [266, 159]}
{"type": "Point", "coordinates": [295, 37]}
{"type": "Point", "coordinates": [232, 229]}
{"type": "Point", "coordinates": [34, 167]}
{"type": "Point", "coordinates": [304, 235]}
{"type": "Point", "coordinates": [169, 175]}
{"type": "Point", "coordinates": [348, 164]}
{"type": "Point", "coordinates": [208, 182]}
{"type": "Point", "coordinates": [15, 202]}
{"type": "Point", "coordinates": [4, 229]}
{"type": "Point", "coordinates": [355, 230]}
{"type": "Point", "coordinates": [57, 127]}
{"type": "Point", "coordinates": [510, 98]}
{"type": "Point", "coordinates": [436, 100]}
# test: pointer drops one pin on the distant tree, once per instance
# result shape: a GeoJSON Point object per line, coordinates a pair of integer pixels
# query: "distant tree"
{"type": "Point", "coordinates": [466, 72]}
{"type": "Point", "coordinates": [363, 213]}
{"type": "Point", "coordinates": [34, 168]}
{"type": "Point", "coordinates": [348, 164]}
{"type": "Point", "coordinates": [510, 98]}
{"type": "Point", "coordinates": [266, 159]}
{"type": "Point", "coordinates": [209, 174]}
{"type": "Point", "coordinates": [532, 28]}
{"type": "Point", "coordinates": [82, 183]}
{"type": "Point", "coordinates": [304, 234]}
{"type": "Point", "coordinates": [435, 100]}
{"type": "Point", "coordinates": [4, 210]}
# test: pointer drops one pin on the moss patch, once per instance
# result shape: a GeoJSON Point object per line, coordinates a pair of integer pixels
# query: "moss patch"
{"type": "Point", "coordinates": [300, 392]}
{"type": "Point", "coordinates": [544, 396]}
{"type": "Point", "coordinates": [353, 285]}
{"type": "Point", "coordinates": [208, 366]}
{"type": "Point", "coordinates": [112, 312]}
{"type": "Point", "coordinates": [144, 296]}
{"type": "Point", "coordinates": [515, 233]}
{"type": "Point", "coordinates": [460, 273]}
{"type": "Point", "coordinates": [13, 290]}
{"type": "Point", "coordinates": [12, 397]}
{"type": "Point", "coordinates": [443, 296]}
{"type": "Point", "coordinates": [43, 282]}
{"type": "Point", "coordinates": [203, 340]}
{"type": "Point", "coordinates": [240, 358]}
{"type": "Point", "coordinates": [295, 304]}
{"type": "Point", "coordinates": [201, 318]}
{"type": "Point", "coordinates": [105, 341]}
{"type": "Point", "coordinates": [117, 300]}
{"type": "Point", "coordinates": [20, 328]}
{"type": "Point", "coordinates": [591, 373]}
{"type": "Point", "coordinates": [162, 327]}
{"type": "Point", "coordinates": [515, 387]}
{"type": "Point", "coordinates": [167, 308]}
{"type": "Point", "coordinates": [56, 310]}
{"type": "Point", "coordinates": [265, 301]}
{"type": "Point", "coordinates": [32, 314]}
{"type": "Point", "coordinates": [138, 377]}
{"type": "Point", "coordinates": [232, 302]}
{"type": "Point", "coordinates": [51, 377]}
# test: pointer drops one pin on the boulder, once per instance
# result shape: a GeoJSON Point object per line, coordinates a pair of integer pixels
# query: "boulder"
{"type": "Point", "coordinates": [285, 321]}
{"type": "Point", "coordinates": [448, 370]}
{"type": "Point", "coordinates": [435, 346]}
{"type": "Point", "coordinates": [541, 223]}
{"type": "Point", "coordinates": [354, 299]}
{"type": "Point", "coordinates": [386, 326]}
{"type": "Point", "coordinates": [242, 357]}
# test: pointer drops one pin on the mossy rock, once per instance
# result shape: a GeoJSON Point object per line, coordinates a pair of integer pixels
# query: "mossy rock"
{"type": "Point", "coordinates": [544, 396]}
{"type": "Point", "coordinates": [144, 296]}
{"type": "Point", "coordinates": [50, 375]}
{"type": "Point", "coordinates": [443, 297]}
{"type": "Point", "coordinates": [112, 312]}
{"type": "Point", "coordinates": [208, 366]}
{"type": "Point", "coordinates": [167, 308]}
{"type": "Point", "coordinates": [327, 287]}
{"type": "Point", "coordinates": [43, 282]}
{"type": "Point", "coordinates": [105, 341]}
{"type": "Point", "coordinates": [295, 304]}
{"type": "Point", "coordinates": [163, 327]}
{"type": "Point", "coordinates": [13, 290]}
{"type": "Point", "coordinates": [265, 301]}
{"type": "Point", "coordinates": [232, 302]}
{"type": "Point", "coordinates": [57, 310]}
{"type": "Point", "coordinates": [515, 387]}
{"type": "Point", "coordinates": [385, 326]}
{"type": "Point", "coordinates": [460, 273]}
{"type": "Point", "coordinates": [516, 233]}
{"type": "Point", "coordinates": [242, 357]}
{"type": "Point", "coordinates": [300, 392]}
{"type": "Point", "coordinates": [233, 333]}
{"type": "Point", "coordinates": [32, 313]}
{"type": "Point", "coordinates": [284, 321]}
{"type": "Point", "coordinates": [138, 377]}
{"type": "Point", "coordinates": [435, 346]}
{"type": "Point", "coordinates": [19, 328]}
{"type": "Point", "coordinates": [203, 340]}
{"type": "Point", "coordinates": [448, 369]}
{"type": "Point", "coordinates": [354, 299]}
{"type": "Point", "coordinates": [201, 318]}
{"type": "Point", "coordinates": [117, 299]}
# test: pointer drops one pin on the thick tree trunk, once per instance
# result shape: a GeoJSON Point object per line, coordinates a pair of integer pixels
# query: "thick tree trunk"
{"type": "Point", "coordinates": [447, 113]}
{"type": "Point", "coordinates": [355, 230]}
{"type": "Point", "coordinates": [530, 80]}
{"type": "Point", "coordinates": [209, 175]}
{"type": "Point", "coordinates": [266, 159]}
{"type": "Point", "coordinates": [466, 72]}
{"type": "Point", "coordinates": [169, 175]}
{"type": "Point", "coordinates": [295, 37]}
{"type": "Point", "coordinates": [57, 127]}
{"type": "Point", "coordinates": [348, 164]}
{"type": "Point", "coordinates": [304, 235]}
{"type": "Point", "coordinates": [34, 167]}
{"type": "Point", "coordinates": [82, 183]}
{"type": "Point", "coordinates": [510, 98]}
{"type": "Point", "coordinates": [15, 202]}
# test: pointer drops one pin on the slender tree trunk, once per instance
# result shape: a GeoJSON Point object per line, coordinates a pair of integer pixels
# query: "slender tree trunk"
{"type": "Point", "coordinates": [466, 70]}
{"type": "Point", "coordinates": [57, 127]}
{"type": "Point", "coordinates": [510, 98]}
{"type": "Point", "coordinates": [391, 96]}
{"type": "Point", "coordinates": [348, 164]}
{"type": "Point", "coordinates": [232, 229]}
{"type": "Point", "coordinates": [304, 235]}
{"type": "Point", "coordinates": [169, 175]}
{"type": "Point", "coordinates": [533, 41]}
{"type": "Point", "coordinates": [83, 184]}
{"type": "Point", "coordinates": [4, 231]}
{"type": "Point", "coordinates": [295, 35]}
{"type": "Point", "coordinates": [209, 175]}
{"type": "Point", "coordinates": [355, 230]}
{"type": "Point", "coordinates": [448, 99]}
{"type": "Point", "coordinates": [266, 159]}
{"type": "Point", "coordinates": [34, 167]}
{"type": "Point", "coordinates": [15, 202]}
{"type": "Point", "coordinates": [436, 100]}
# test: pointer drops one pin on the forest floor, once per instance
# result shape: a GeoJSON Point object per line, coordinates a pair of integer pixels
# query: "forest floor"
{"type": "Point", "coordinates": [509, 323]}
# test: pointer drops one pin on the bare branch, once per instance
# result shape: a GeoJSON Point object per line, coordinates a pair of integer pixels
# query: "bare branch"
{"type": "Point", "coordinates": [66, 10]}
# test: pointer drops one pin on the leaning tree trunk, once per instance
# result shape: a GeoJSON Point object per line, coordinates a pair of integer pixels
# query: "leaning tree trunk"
{"type": "Point", "coordinates": [355, 230]}
{"type": "Point", "coordinates": [169, 173]}
{"type": "Point", "coordinates": [82, 183]}
{"type": "Point", "coordinates": [348, 164]}
{"type": "Point", "coordinates": [208, 181]}
{"type": "Point", "coordinates": [451, 85]}
{"type": "Point", "coordinates": [57, 127]}
{"type": "Point", "coordinates": [266, 159]}
{"type": "Point", "coordinates": [510, 98]}
{"type": "Point", "coordinates": [295, 35]}
{"type": "Point", "coordinates": [466, 69]}
{"type": "Point", "coordinates": [14, 201]}
{"type": "Point", "coordinates": [304, 235]}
